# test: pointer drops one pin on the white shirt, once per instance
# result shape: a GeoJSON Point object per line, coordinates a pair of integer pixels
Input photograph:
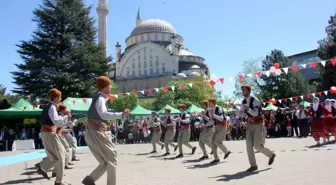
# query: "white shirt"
{"type": "Point", "coordinates": [40, 135]}
{"type": "Point", "coordinates": [253, 112]}
{"type": "Point", "coordinates": [209, 119]}
{"type": "Point", "coordinates": [220, 116]}
{"type": "Point", "coordinates": [59, 121]}
{"type": "Point", "coordinates": [302, 115]}
{"type": "Point", "coordinates": [102, 109]}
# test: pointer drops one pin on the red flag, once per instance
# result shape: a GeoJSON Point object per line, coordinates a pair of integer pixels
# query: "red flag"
{"type": "Point", "coordinates": [110, 96]}
{"type": "Point", "coordinates": [241, 77]}
{"type": "Point", "coordinates": [181, 86]}
{"type": "Point", "coordinates": [212, 83]}
{"type": "Point", "coordinates": [308, 95]}
{"type": "Point", "coordinates": [165, 89]}
{"type": "Point", "coordinates": [149, 91]}
{"type": "Point", "coordinates": [319, 93]}
{"type": "Point", "coordinates": [74, 102]}
{"type": "Point", "coordinates": [297, 98]}
{"type": "Point", "coordinates": [333, 61]}
{"type": "Point", "coordinates": [84, 100]}
{"type": "Point", "coordinates": [295, 68]}
{"type": "Point", "coordinates": [135, 93]}
{"type": "Point", "coordinates": [285, 99]}
{"type": "Point", "coordinates": [221, 80]}
{"type": "Point", "coordinates": [313, 64]}
{"type": "Point", "coordinates": [258, 74]}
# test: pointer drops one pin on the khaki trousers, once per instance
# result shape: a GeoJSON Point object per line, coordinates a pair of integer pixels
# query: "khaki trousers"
{"type": "Point", "coordinates": [183, 139]}
{"type": "Point", "coordinates": [217, 140]}
{"type": "Point", "coordinates": [102, 148]}
{"type": "Point", "coordinates": [168, 140]}
{"type": "Point", "coordinates": [72, 144]}
{"type": "Point", "coordinates": [156, 139]}
{"type": "Point", "coordinates": [255, 137]}
{"type": "Point", "coordinates": [205, 139]}
{"type": "Point", "coordinates": [55, 155]}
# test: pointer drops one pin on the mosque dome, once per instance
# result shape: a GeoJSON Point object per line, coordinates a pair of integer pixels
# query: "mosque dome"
{"type": "Point", "coordinates": [154, 25]}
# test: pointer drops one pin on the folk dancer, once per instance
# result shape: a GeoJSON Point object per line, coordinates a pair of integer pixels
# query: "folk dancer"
{"type": "Point", "coordinates": [218, 118]}
{"type": "Point", "coordinates": [184, 132]}
{"type": "Point", "coordinates": [317, 112]}
{"type": "Point", "coordinates": [98, 137]}
{"type": "Point", "coordinates": [156, 125]}
{"type": "Point", "coordinates": [255, 131]}
{"type": "Point", "coordinates": [329, 119]}
{"type": "Point", "coordinates": [50, 120]}
{"type": "Point", "coordinates": [207, 130]}
{"type": "Point", "coordinates": [170, 131]}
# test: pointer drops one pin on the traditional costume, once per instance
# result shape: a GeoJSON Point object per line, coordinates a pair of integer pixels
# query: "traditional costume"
{"type": "Point", "coordinates": [156, 125]}
{"type": "Point", "coordinates": [207, 131]}
{"type": "Point", "coordinates": [184, 132]}
{"type": "Point", "coordinates": [218, 118]}
{"type": "Point", "coordinates": [170, 132]}
{"type": "Point", "coordinates": [98, 137]}
{"type": "Point", "coordinates": [255, 131]}
{"type": "Point", "coordinates": [317, 111]}
{"type": "Point", "coordinates": [329, 119]}
{"type": "Point", "coordinates": [55, 150]}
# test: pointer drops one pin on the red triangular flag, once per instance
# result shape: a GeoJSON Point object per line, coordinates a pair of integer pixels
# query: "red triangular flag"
{"type": "Point", "coordinates": [181, 86]}
{"type": "Point", "coordinates": [74, 102]}
{"type": "Point", "coordinates": [241, 77]}
{"type": "Point", "coordinates": [258, 74]}
{"type": "Point", "coordinates": [319, 93]}
{"type": "Point", "coordinates": [135, 93]}
{"type": "Point", "coordinates": [221, 80]}
{"type": "Point", "coordinates": [297, 98]}
{"type": "Point", "coordinates": [165, 89]}
{"type": "Point", "coordinates": [313, 64]}
{"type": "Point", "coordinates": [199, 83]}
{"type": "Point", "coordinates": [149, 91]}
{"type": "Point", "coordinates": [84, 100]}
{"type": "Point", "coordinates": [333, 61]}
{"type": "Point", "coordinates": [308, 95]}
{"type": "Point", "coordinates": [285, 99]}
{"type": "Point", "coordinates": [110, 96]}
{"type": "Point", "coordinates": [295, 68]}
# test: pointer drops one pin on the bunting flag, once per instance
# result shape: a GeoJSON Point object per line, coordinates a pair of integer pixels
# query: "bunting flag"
{"type": "Point", "coordinates": [304, 65]}
{"type": "Point", "coordinates": [323, 63]}
{"type": "Point", "coordinates": [285, 70]}
{"type": "Point", "coordinates": [172, 88]}
{"type": "Point", "coordinates": [190, 84]}
{"type": "Point", "coordinates": [258, 74]}
{"type": "Point", "coordinates": [181, 86]}
{"type": "Point", "coordinates": [267, 73]}
{"type": "Point", "coordinates": [249, 75]}
{"type": "Point", "coordinates": [313, 64]}
{"type": "Point", "coordinates": [240, 77]}
{"type": "Point", "coordinates": [295, 68]}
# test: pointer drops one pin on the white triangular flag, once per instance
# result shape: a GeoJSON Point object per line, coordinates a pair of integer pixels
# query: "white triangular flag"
{"type": "Point", "coordinates": [301, 97]}
{"type": "Point", "coordinates": [116, 96]}
{"type": "Point", "coordinates": [313, 94]}
{"type": "Point", "coordinates": [267, 73]}
{"type": "Point", "coordinates": [323, 63]}
{"type": "Point", "coordinates": [128, 93]}
{"type": "Point", "coordinates": [143, 92]}
{"type": "Point", "coordinates": [172, 87]}
{"type": "Point", "coordinates": [230, 78]}
{"type": "Point", "coordinates": [156, 89]}
{"type": "Point", "coordinates": [249, 75]}
{"type": "Point", "coordinates": [190, 84]}
{"type": "Point", "coordinates": [285, 69]}
{"type": "Point", "coordinates": [291, 99]}
{"type": "Point", "coordinates": [304, 65]}
{"type": "Point", "coordinates": [325, 92]}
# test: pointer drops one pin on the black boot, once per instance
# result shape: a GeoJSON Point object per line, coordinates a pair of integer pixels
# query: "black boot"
{"type": "Point", "coordinates": [166, 154]}
{"type": "Point", "coordinates": [193, 150]}
{"type": "Point", "coordinates": [227, 154]}
{"type": "Point", "coordinates": [88, 181]}
{"type": "Point", "coordinates": [53, 174]}
{"type": "Point", "coordinates": [162, 147]}
{"type": "Point", "coordinates": [204, 157]}
{"type": "Point", "coordinates": [44, 174]}
{"type": "Point", "coordinates": [179, 156]}
{"type": "Point", "coordinates": [252, 168]}
{"type": "Point", "coordinates": [271, 159]}
{"type": "Point", "coordinates": [215, 161]}
{"type": "Point", "coordinates": [176, 147]}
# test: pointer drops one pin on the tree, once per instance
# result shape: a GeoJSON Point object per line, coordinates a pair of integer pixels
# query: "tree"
{"type": "Point", "coordinates": [62, 53]}
{"type": "Point", "coordinates": [326, 51]}
{"type": "Point", "coordinates": [188, 95]}
{"type": "Point", "coordinates": [222, 99]}
{"type": "Point", "coordinates": [6, 100]}
{"type": "Point", "coordinates": [147, 103]}
{"type": "Point", "coordinates": [121, 102]}
{"type": "Point", "coordinates": [284, 85]}
{"type": "Point", "coordinates": [251, 66]}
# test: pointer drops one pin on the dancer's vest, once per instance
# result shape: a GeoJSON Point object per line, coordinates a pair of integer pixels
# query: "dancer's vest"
{"type": "Point", "coordinates": [317, 115]}
{"type": "Point", "coordinates": [207, 115]}
{"type": "Point", "coordinates": [253, 119]}
{"type": "Point", "coordinates": [95, 122]}
{"type": "Point", "coordinates": [168, 121]}
{"type": "Point", "coordinates": [217, 122]}
{"type": "Point", "coordinates": [183, 116]}
{"type": "Point", "coordinates": [46, 123]}
{"type": "Point", "coordinates": [156, 128]}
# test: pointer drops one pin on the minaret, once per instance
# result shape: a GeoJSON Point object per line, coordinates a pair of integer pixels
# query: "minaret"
{"type": "Point", "coordinates": [118, 51]}
{"type": "Point", "coordinates": [102, 11]}
{"type": "Point", "coordinates": [138, 20]}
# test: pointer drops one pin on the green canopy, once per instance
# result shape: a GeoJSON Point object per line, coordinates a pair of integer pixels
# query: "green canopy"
{"type": "Point", "coordinates": [231, 110]}
{"type": "Point", "coordinates": [271, 107]}
{"type": "Point", "coordinates": [173, 110]}
{"type": "Point", "coordinates": [139, 111]}
{"type": "Point", "coordinates": [194, 108]}
{"type": "Point", "coordinates": [78, 105]}
{"type": "Point", "coordinates": [305, 103]}
{"type": "Point", "coordinates": [21, 109]}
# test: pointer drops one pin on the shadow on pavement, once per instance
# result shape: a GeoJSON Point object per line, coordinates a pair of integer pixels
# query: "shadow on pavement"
{"type": "Point", "coordinates": [238, 175]}
{"type": "Point", "coordinates": [140, 154]}
{"type": "Point", "coordinates": [22, 181]}
{"type": "Point", "coordinates": [315, 146]}
{"type": "Point", "coordinates": [205, 165]}
{"type": "Point", "coordinates": [192, 161]}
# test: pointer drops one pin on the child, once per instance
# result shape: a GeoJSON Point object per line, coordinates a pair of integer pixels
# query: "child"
{"type": "Point", "coordinates": [289, 127]}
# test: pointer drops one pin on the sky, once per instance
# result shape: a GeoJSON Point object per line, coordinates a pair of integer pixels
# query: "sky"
{"type": "Point", "coordinates": [224, 32]}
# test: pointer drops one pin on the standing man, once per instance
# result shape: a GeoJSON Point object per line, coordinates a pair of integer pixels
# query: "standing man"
{"type": "Point", "coordinates": [218, 117]}
{"type": "Point", "coordinates": [294, 122]}
{"type": "Point", "coordinates": [98, 137]}
{"type": "Point", "coordinates": [170, 131]}
{"type": "Point", "coordinates": [184, 133]}
{"type": "Point", "coordinates": [302, 116]}
{"type": "Point", "coordinates": [156, 125]}
{"type": "Point", "coordinates": [329, 119]}
{"type": "Point", "coordinates": [55, 150]}
{"type": "Point", "coordinates": [255, 132]}
{"type": "Point", "coordinates": [207, 130]}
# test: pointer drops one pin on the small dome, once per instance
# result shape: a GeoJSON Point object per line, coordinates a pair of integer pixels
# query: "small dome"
{"type": "Point", "coordinates": [195, 74]}
{"type": "Point", "coordinates": [181, 75]}
{"type": "Point", "coordinates": [195, 67]}
{"type": "Point", "coordinates": [186, 52]}
{"type": "Point", "coordinates": [154, 25]}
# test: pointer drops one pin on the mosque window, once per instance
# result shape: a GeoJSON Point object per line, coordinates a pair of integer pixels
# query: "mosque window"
{"type": "Point", "coordinates": [156, 37]}
{"type": "Point", "coordinates": [145, 57]}
{"type": "Point", "coordinates": [150, 50]}
{"type": "Point", "coordinates": [163, 69]}
{"type": "Point", "coordinates": [142, 38]}
{"type": "Point", "coordinates": [145, 64]}
{"type": "Point", "coordinates": [133, 65]}
{"type": "Point", "coordinates": [163, 64]}
{"type": "Point", "coordinates": [128, 73]}
{"type": "Point", "coordinates": [157, 70]}
{"type": "Point", "coordinates": [151, 71]}
{"type": "Point", "coordinates": [139, 65]}
{"type": "Point", "coordinates": [145, 71]}
{"type": "Point", "coordinates": [139, 72]}
{"type": "Point", "coordinates": [157, 57]}
{"type": "Point", "coordinates": [138, 57]}
{"type": "Point", "coordinates": [157, 62]}
{"type": "Point", "coordinates": [162, 37]}
{"type": "Point", "coordinates": [151, 63]}
{"type": "Point", "coordinates": [144, 50]}
{"type": "Point", "coordinates": [133, 73]}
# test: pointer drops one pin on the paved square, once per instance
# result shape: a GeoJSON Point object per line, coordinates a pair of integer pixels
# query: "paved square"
{"type": "Point", "coordinates": [295, 164]}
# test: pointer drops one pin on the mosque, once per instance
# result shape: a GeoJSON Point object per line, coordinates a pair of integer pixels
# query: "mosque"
{"type": "Point", "coordinates": [154, 55]}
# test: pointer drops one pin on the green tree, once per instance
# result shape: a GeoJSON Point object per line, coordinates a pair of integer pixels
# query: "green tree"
{"type": "Point", "coordinates": [284, 85]}
{"type": "Point", "coordinates": [147, 103]}
{"type": "Point", "coordinates": [6, 100]}
{"type": "Point", "coordinates": [222, 99]}
{"type": "Point", "coordinates": [62, 52]}
{"type": "Point", "coordinates": [251, 66]}
{"type": "Point", "coordinates": [327, 50]}
{"type": "Point", "coordinates": [188, 95]}
{"type": "Point", "coordinates": [121, 102]}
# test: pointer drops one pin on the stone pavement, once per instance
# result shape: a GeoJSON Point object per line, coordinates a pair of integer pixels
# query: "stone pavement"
{"type": "Point", "coordinates": [296, 164]}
